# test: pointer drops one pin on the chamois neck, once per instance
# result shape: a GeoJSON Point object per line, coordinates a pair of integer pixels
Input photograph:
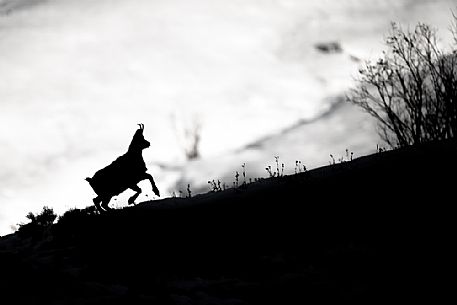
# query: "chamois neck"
{"type": "Point", "coordinates": [134, 151]}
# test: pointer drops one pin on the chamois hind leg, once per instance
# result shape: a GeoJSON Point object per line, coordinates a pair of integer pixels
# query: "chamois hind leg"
{"type": "Point", "coordinates": [136, 189]}
{"type": "Point", "coordinates": [97, 201]}
{"type": "Point", "coordinates": [151, 180]}
{"type": "Point", "coordinates": [105, 202]}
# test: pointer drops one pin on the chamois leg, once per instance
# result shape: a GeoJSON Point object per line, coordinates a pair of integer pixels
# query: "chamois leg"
{"type": "Point", "coordinates": [97, 201]}
{"type": "Point", "coordinates": [151, 180]}
{"type": "Point", "coordinates": [136, 189]}
{"type": "Point", "coordinates": [105, 202]}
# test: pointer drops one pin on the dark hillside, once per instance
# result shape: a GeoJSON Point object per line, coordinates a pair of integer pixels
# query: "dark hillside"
{"type": "Point", "coordinates": [373, 230]}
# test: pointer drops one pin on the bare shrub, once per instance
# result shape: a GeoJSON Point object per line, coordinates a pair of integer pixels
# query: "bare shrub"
{"type": "Point", "coordinates": [412, 89]}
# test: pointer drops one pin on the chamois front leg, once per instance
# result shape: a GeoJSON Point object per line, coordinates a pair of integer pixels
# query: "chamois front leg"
{"type": "Point", "coordinates": [154, 187]}
{"type": "Point", "coordinates": [136, 189]}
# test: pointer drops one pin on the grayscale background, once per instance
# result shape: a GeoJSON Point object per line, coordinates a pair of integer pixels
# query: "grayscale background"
{"type": "Point", "coordinates": [76, 76]}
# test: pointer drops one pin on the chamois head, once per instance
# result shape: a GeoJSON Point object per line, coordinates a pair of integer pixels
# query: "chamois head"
{"type": "Point", "coordinates": [138, 142]}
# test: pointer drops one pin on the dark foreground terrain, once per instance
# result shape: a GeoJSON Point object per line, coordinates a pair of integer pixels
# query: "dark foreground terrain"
{"type": "Point", "coordinates": [378, 229]}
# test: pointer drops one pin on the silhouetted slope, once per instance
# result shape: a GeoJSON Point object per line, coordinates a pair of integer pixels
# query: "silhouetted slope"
{"type": "Point", "coordinates": [372, 230]}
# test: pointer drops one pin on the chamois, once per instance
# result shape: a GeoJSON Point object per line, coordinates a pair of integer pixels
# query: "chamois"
{"type": "Point", "coordinates": [123, 173]}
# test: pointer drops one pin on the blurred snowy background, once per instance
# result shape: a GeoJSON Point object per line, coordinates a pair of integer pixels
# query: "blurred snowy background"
{"type": "Point", "coordinates": [254, 79]}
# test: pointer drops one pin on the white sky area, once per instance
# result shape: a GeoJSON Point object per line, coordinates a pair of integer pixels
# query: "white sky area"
{"type": "Point", "coordinates": [76, 76]}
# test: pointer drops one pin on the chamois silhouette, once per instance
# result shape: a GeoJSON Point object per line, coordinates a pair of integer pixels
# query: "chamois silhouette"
{"type": "Point", "coordinates": [123, 173]}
